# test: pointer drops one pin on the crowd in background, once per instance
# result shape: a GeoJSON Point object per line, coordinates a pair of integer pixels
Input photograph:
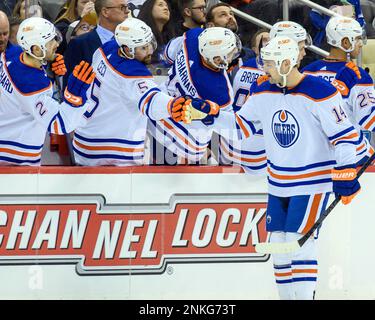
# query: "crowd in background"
{"type": "Point", "coordinates": [169, 19]}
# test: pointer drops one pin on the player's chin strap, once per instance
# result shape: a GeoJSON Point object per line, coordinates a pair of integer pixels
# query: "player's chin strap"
{"type": "Point", "coordinates": [283, 76]}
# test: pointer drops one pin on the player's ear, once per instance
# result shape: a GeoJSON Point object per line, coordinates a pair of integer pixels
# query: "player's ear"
{"type": "Point", "coordinates": [210, 24]}
{"type": "Point", "coordinates": [36, 51]}
{"type": "Point", "coordinates": [345, 43]}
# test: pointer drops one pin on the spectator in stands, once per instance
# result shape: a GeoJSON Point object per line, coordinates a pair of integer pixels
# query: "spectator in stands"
{"type": "Point", "coordinates": [156, 14]}
{"type": "Point", "coordinates": [4, 31]}
{"type": "Point", "coordinates": [193, 13]}
{"type": "Point", "coordinates": [110, 13]}
{"type": "Point", "coordinates": [221, 15]}
{"type": "Point", "coordinates": [77, 28]}
{"type": "Point", "coordinates": [20, 9]}
{"type": "Point", "coordinates": [7, 6]}
{"type": "Point", "coordinates": [76, 10]}
{"type": "Point", "coordinates": [14, 23]}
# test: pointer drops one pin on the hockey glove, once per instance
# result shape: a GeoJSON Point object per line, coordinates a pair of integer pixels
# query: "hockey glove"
{"type": "Point", "coordinates": [345, 183]}
{"type": "Point", "coordinates": [78, 83]}
{"type": "Point", "coordinates": [58, 66]}
{"type": "Point", "coordinates": [176, 108]}
{"type": "Point", "coordinates": [347, 78]}
{"type": "Point", "coordinates": [198, 109]}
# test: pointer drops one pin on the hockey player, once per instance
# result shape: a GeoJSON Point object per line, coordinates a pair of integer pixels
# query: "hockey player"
{"type": "Point", "coordinates": [356, 86]}
{"type": "Point", "coordinates": [123, 96]}
{"type": "Point", "coordinates": [27, 109]}
{"type": "Point", "coordinates": [310, 153]}
{"type": "Point", "coordinates": [249, 153]}
{"type": "Point", "coordinates": [199, 71]}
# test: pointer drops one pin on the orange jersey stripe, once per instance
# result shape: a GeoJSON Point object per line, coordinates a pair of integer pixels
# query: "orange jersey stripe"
{"type": "Point", "coordinates": [351, 136]}
{"type": "Point", "coordinates": [55, 127]}
{"type": "Point", "coordinates": [369, 124]}
{"type": "Point", "coordinates": [239, 121]}
{"type": "Point", "coordinates": [298, 176]}
{"type": "Point", "coordinates": [181, 137]}
{"type": "Point", "coordinates": [20, 153]}
{"type": "Point", "coordinates": [305, 271]}
{"type": "Point", "coordinates": [107, 148]}
{"type": "Point", "coordinates": [313, 213]}
{"type": "Point", "coordinates": [286, 274]}
{"type": "Point", "coordinates": [242, 159]}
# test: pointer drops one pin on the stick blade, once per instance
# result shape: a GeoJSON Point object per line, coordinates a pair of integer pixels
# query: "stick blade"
{"type": "Point", "coordinates": [277, 247]}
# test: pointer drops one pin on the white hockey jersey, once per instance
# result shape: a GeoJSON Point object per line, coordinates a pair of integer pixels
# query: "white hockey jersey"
{"type": "Point", "coordinates": [359, 106]}
{"type": "Point", "coordinates": [248, 153]}
{"type": "Point", "coordinates": [122, 97]}
{"type": "Point", "coordinates": [189, 76]}
{"type": "Point", "coordinates": [304, 138]}
{"type": "Point", "coordinates": [28, 111]}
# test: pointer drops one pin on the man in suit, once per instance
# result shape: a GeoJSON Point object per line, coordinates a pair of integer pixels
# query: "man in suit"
{"type": "Point", "coordinates": [110, 13]}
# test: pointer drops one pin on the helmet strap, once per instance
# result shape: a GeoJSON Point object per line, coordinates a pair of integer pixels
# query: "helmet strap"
{"type": "Point", "coordinates": [130, 55]}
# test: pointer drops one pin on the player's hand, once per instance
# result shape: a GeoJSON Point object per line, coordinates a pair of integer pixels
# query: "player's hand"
{"type": "Point", "coordinates": [347, 78]}
{"type": "Point", "coordinates": [58, 65]}
{"type": "Point", "coordinates": [345, 183]}
{"type": "Point", "coordinates": [198, 109]}
{"type": "Point", "coordinates": [176, 108]}
{"type": "Point", "coordinates": [78, 83]}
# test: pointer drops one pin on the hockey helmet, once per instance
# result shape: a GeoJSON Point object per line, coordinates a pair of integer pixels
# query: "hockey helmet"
{"type": "Point", "coordinates": [134, 33]}
{"type": "Point", "coordinates": [292, 30]}
{"type": "Point", "coordinates": [339, 28]}
{"type": "Point", "coordinates": [219, 42]}
{"type": "Point", "coordinates": [38, 32]}
{"type": "Point", "coordinates": [279, 49]}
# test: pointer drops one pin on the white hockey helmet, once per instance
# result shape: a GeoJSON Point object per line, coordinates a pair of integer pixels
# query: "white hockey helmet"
{"type": "Point", "coordinates": [219, 42]}
{"type": "Point", "coordinates": [134, 33]}
{"type": "Point", "coordinates": [292, 30]}
{"type": "Point", "coordinates": [36, 31]}
{"type": "Point", "coordinates": [339, 28]}
{"type": "Point", "coordinates": [279, 49]}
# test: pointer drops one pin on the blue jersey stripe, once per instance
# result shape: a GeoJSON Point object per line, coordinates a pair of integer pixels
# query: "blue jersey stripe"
{"type": "Point", "coordinates": [284, 281]}
{"type": "Point", "coordinates": [304, 262]}
{"type": "Point", "coordinates": [295, 184]}
{"type": "Point", "coordinates": [178, 144]}
{"type": "Point", "coordinates": [366, 117]}
{"type": "Point", "coordinates": [187, 133]}
{"type": "Point", "coordinates": [252, 153]}
{"type": "Point", "coordinates": [21, 145]}
{"type": "Point", "coordinates": [281, 267]}
{"type": "Point", "coordinates": [8, 159]}
{"type": "Point", "coordinates": [341, 133]}
{"type": "Point", "coordinates": [106, 156]}
{"type": "Point", "coordinates": [62, 124]}
{"type": "Point", "coordinates": [108, 140]}
{"type": "Point", "coordinates": [145, 96]}
{"type": "Point", "coordinates": [304, 279]}
{"type": "Point", "coordinates": [307, 167]}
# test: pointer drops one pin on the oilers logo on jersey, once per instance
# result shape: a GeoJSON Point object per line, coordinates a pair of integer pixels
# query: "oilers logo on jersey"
{"type": "Point", "coordinates": [285, 128]}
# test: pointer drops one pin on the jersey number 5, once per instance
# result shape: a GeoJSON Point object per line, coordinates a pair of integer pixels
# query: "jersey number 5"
{"type": "Point", "coordinates": [90, 111]}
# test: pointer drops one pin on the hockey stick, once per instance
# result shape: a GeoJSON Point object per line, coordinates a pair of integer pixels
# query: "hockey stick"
{"type": "Point", "coordinates": [288, 247]}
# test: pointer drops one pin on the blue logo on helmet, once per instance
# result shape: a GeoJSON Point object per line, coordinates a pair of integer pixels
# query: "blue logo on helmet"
{"type": "Point", "coordinates": [285, 128]}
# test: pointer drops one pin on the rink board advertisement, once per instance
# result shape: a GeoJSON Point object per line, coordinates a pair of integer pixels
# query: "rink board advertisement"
{"type": "Point", "coordinates": [161, 233]}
